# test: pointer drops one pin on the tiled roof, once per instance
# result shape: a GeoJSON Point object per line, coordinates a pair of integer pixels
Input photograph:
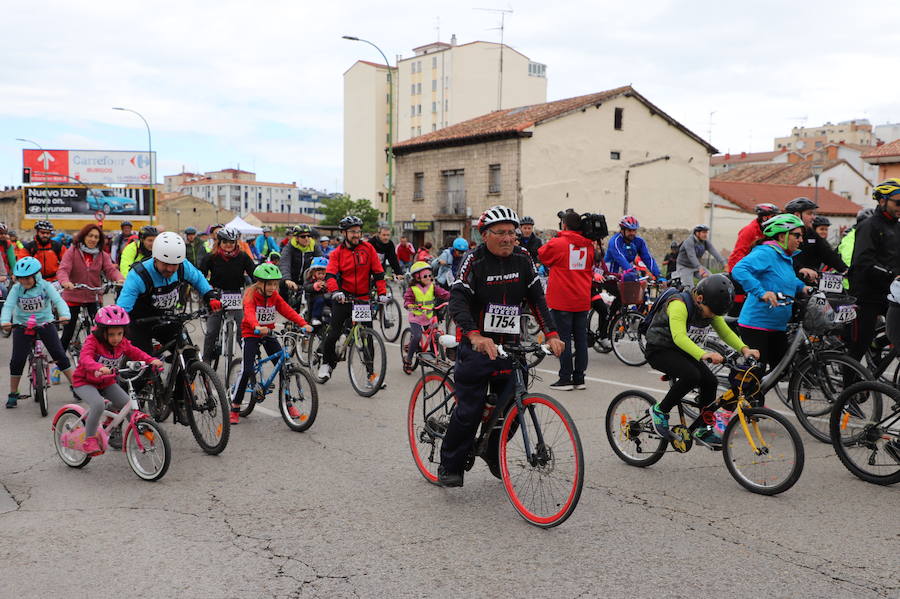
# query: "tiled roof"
{"type": "Point", "coordinates": [283, 217]}
{"type": "Point", "coordinates": [888, 150]}
{"type": "Point", "coordinates": [747, 195]}
{"type": "Point", "coordinates": [777, 174]}
{"type": "Point", "coordinates": [515, 122]}
{"type": "Point", "coordinates": [234, 182]}
{"type": "Point", "coordinates": [744, 157]}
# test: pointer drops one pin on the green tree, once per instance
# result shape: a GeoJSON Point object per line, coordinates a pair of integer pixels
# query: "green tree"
{"type": "Point", "coordinates": [338, 207]}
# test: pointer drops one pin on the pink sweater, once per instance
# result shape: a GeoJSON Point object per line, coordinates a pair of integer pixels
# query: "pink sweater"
{"type": "Point", "coordinates": [74, 268]}
{"type": "Point", "coordinates": [409, 298]}
{"type": "Point", "coordinates": [95, 355]}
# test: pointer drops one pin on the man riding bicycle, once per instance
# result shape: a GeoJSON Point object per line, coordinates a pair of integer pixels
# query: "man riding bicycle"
{"type": "Point", "coordinates": [151, 289]}
{"type": "Point", "coordinates": [350, 268]}
{"type": "Point", "coordinates": [48, 252]}
{"type": "Point", "coordinates": [495, 281]}
{"type": "Point", "coordinates": [625, 247]}
{"type": "Point", "coordinates": [387, 253]}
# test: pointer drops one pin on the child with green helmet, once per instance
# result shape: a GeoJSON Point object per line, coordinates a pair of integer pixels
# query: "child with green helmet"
{"type": "Point", "coordinates": [261, 304]}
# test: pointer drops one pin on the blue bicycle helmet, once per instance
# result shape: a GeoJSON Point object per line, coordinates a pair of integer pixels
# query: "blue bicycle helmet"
{"type": "Point", "coordinates": [27, 267]}
{"type": "Point", "coordinates": [460, 244]}
{"type": "Point", "coordinates": [320, 262]}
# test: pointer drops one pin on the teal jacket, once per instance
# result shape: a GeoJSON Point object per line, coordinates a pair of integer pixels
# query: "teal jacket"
{"type": "Point", "coordinates": [39, 300]}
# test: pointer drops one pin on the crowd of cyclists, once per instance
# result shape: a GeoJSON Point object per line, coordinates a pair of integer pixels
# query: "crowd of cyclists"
{"type": "Point", "coordinates": [312, 281]}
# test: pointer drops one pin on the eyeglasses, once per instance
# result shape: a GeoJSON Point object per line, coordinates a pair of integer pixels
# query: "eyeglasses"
{"type": "Point", "coordinates": [503, 233]}
{"type": "Point", "coordinates": [426, 276]}
{"type": "Point", "coordinates": [303, 236]}
{"type": "Point", "coordinates": [797, 235]}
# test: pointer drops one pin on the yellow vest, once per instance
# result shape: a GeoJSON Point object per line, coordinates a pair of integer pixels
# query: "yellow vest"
{"type": "Point", "coordinates": [425, 298]}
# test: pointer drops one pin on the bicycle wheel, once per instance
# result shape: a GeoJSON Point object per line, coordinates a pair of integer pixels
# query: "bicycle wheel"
{"type": "Point", "coordinates": [248, 401]}
{"type": "Point", "coordinates": [390, 318]}
{"type": "Point", "coordinates": [367, 362]}
{"type": "Point", "coordinates": [148, 451]}
{"type": "Point", "coordinates": [208, 408]}
{"type": "Point", "coordinates": [151, 399]}
{"type": "Point", "coordinates": [404, 346]}
{"type": "Point", "coordinates": [597, 333]}
{"type": "Point", "coordinates": [228, 349]}
{"type": "Point", "coordinates": [628, 427]}
{"type": "Point", "coordinates": [531, 333]}
{"type": "Point", "coordinates": [77, 342]}
{"type": "Point", "coordinates": [868, 445]}
{"type": "Point", "coordinates": [314, 356]}
{"type": "Point", "coordinates": [68, 422]}
{"type": "Point", "coordinates": [627, 342]}
{"type": "Point", "coordinates": [543, 478]}
{"type": "Point", "coordinates": [427, 417]}
{"type": "Point", "coordinates": [297, 390]}
{"type": "Point", "coordinates": [815, 385]}
{"type": "Point", "coordinates": [765, 456]}
{"type": "Point", "coordinates": [38, 378]}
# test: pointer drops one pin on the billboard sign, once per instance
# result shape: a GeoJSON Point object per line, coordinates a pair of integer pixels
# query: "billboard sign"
{"type": "Point", "coordinates": [82, 202]}
{"type": "Point", "coordinates": [88, 166]}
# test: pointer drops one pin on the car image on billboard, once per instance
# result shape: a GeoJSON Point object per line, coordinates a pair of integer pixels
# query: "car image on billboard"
{"type": "Point", "coordinates": [110, 203]}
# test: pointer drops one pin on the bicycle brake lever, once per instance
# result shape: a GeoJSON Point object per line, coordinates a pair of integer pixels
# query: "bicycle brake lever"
{"type": "Point", "coordinates": [501, 352]}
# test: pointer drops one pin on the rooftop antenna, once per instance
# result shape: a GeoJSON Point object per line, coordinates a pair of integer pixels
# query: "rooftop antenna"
{"type": "Point", "coordinates": [503, 12]}
{"type": "Point", "coordinates": [801, 119]}
{"type": "Point", "coordinates": [437, 27]}
{"type": "Point", "coordinates": [709, 131]}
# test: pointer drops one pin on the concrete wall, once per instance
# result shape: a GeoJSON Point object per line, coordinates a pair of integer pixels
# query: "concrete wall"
{"type": "Point", "coordinates": [888, 171]}
{"type": "Point", "coordinates": [194, 213]}
{"type": "Point", "coordinates": [567, 163]}
{"type": "Point", "coordinates": [843, 180]}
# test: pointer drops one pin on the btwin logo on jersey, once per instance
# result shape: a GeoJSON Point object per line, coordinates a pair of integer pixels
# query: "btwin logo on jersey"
{"type": "Point", "coordinates": [511, 276]}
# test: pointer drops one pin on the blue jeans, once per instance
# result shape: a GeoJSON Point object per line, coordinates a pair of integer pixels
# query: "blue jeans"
{"type": "Point", "coordinates": [566, 323]}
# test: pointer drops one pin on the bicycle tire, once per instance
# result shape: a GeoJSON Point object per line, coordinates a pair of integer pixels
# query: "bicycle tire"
{"type": "Point", "coordinates": [626, 426]}
{"type": "Point", "coordinates": [813, 374]}
{"type": "Point", "coordinates": [596, 333]}
{"type": "Point", "coordinates": [79, 335]}
{"type": "Point", "coordinates": [151, 399]}
{"type": "Point", "coordinates": [367, 387]}
{"type": "Point", "coordinates": [217, 406]}
{"type": "Point", "coordinates": [154, 440]}
{"type": "Point", "coordinates": [731, 444]}
{"type": "Point", "coordinates": [314, 356]}
{"type": "Point", "coordinates": [627, 342]}
{"type": "Point", "coordinates": [531, 332]}
{"type": "Point", "coordinates": [390, 319]}
{"type": "Point", "coordinates": [550, 456]}
{"type": "Point", "coordinates": [859, 449]}
{"type": "Point", "coordinates": [305, 397]}
{"type": "Point", "coordinates": [67, 422]}
{"type": "Point", "coordinates": [248, 402]}
{"type": "Point", "coordinates": [229, 348]}
{"type": "Point", "coordinates": [38, 380]}
{"type": "Point", "coordinates": [404, 346]}
{"type": "Point", "coordinates": [425, 437]}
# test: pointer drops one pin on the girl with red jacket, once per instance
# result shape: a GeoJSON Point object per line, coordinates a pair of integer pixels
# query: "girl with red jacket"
{"type": "Point", "coordinates": [261, 303]}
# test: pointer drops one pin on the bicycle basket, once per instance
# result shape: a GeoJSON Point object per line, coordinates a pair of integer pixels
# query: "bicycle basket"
{"type": "Point", "coordinates": [632, 292]}
{"type": "Point", "coordinates": [826, 313]}
{"type": "Point", "coordinates": [746, 382]}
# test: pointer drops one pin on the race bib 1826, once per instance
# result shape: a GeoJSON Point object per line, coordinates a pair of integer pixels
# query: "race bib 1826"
{"type": "Point", "coordinates": [265, 315]}
{"type": "Point", "coordinates": [500, 318]}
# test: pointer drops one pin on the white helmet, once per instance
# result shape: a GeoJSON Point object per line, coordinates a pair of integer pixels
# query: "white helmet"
{"type": "Point", "coordinates": [497, 214]}
{"type": "Point", "coordinates": [169, 247]}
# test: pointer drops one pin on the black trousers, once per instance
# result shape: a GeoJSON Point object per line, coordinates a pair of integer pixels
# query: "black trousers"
{"type": "Point", "coordinates": [475, 374]}
{"type": "Point", "coordinates": [772, 345]}
{"type": "Point", "coordinates": [251, 348]}
{"type": "Point", "coordinates": [687, 373]}
{"type": "Point", "coordinates": [340, 314]}
{"type": "Point", "coordinates": [862, 330]}
{"type": "Point", "coordinates": [69, 328]}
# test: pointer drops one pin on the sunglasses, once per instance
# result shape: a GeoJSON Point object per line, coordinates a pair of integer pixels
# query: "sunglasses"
{"type": "Point", "coordinates": [303, 236]}
{"type": "Point", "coordinates": [797, 235]}
{"type": "Point", "coordinates": [426, 276]}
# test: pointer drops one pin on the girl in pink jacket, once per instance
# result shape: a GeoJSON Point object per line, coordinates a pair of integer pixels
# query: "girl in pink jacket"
{"type": "Point", "coordinates": [95, 376]}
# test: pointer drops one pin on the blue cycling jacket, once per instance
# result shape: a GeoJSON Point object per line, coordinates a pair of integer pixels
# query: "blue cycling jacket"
{"type": "Point", "coordinates": [766, 268]}
{"type": "Point", "coordinates": [40, 300]}
{"type": "Point", "coordinates": [620, 256]}
{"type": "Point", "coordinates": [134, 286]}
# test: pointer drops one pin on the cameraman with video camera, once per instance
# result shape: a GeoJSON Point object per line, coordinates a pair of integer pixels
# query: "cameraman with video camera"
{"type": "Point", "coordinates": [570, 258]}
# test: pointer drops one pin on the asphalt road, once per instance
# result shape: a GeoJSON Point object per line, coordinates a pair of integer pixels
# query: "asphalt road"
{"type": "Point", "coordinates": [341, 511]}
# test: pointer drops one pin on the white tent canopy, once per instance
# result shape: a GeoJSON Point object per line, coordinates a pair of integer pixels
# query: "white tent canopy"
{"type": "Point", "coordinates": [243, 226]}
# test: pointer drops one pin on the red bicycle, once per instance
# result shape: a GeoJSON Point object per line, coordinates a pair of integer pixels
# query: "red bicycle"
{"type": "Point", "coordinates": [429, 342]}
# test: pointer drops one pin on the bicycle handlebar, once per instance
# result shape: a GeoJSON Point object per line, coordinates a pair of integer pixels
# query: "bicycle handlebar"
{"type": "Point", "coordinates": [181, 318]}
{"type": "Point", "coordinates": [504, 351]}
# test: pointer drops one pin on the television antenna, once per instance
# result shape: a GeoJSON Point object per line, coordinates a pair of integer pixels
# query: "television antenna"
{"type": "Point", "coordinates": [502, 12]}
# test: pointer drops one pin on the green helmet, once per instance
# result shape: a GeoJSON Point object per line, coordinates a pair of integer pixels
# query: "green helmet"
{"type": "Point", "coordinates": [780, 224]}
{"type": "Point", "coordinates": [267, 272]}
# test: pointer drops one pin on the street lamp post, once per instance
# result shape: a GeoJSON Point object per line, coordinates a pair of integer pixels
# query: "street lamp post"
{"type": "Point", "coordinates": [390, 78]}
{"type": "Point", "coordinates": [150, 152]}
{"type": "Point", "coordinates": [817, 168]}
{"type": "Point", "coordinates": [30, 141]}
{"type": "Point", "coordinates": [178, 216]}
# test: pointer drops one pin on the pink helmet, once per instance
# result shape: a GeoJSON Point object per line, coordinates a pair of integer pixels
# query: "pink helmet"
{"type": "Point", "coordinates": [112, 316]}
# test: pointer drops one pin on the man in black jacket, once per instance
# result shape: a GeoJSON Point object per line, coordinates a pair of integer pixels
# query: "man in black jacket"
{"type": "Point", "coordinates": [387, 253]}
{"type": "Point", "coordinates": [814, 251]}
{"type": "Point", "coordinates": [528, 239]}
{"type": "Point", "coordinates": [876, 263]}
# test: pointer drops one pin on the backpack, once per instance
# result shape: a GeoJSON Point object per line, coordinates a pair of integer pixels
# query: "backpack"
{"type": "Point", "coordinates": [663, 299]}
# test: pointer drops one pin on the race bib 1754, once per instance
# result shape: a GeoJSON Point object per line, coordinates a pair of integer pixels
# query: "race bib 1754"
{"type": "Point", "coordinates": [500, 318]}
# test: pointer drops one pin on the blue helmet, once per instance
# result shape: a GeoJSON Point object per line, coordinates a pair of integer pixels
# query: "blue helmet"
{"type": "Point", "coordinates": [320, 262]}
{"type": "Point", "coordinates": [460, 244]}
{"type": "Point", "coordinates": [27, 267]}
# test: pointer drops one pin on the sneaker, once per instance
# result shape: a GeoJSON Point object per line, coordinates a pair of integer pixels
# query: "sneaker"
{"type": "Point", "coordinates": [324, 372]}
{"type": "Point", "coordinates": [315, 322]}
{"type": "Point", "coordinates": [12, 400]}
{"type": "Point", "coordinates": [293, 412]}
{"type": "Point", "coordinates": [579, 384]}
{"type": "Point", "coordinates": [605, 344]}
{"type": "Point", "coordinates": [372, 379]}
{"type": "Point", "coordinates": [892, 448]}
{"type": "Point", "coordinates": [92, 446]}
{"type": "Point", "coordinates": [661, 423]}
{"type": "Point", "coordinates": [562, 385]}
{"type": "Point", "coordinates": [449, 479]}
{"type": "Point", "coordinates": [707, 435]}
{"type": "Point", "coordinates": [235, 418]}
{"type": "Point", "coordinates": [407, 367]}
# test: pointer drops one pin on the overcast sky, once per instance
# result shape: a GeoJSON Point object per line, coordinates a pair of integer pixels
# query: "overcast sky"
{"type": "Point", "coordinates": [259, 84]}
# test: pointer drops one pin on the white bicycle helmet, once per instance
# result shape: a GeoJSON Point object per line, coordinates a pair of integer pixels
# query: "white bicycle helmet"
{"type": "Point", "coordinates": [169, 247]}
{"type": "Point", "coordinates": [497, 214]}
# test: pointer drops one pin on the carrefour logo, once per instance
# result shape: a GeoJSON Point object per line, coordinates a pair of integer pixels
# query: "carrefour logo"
{"type": "Point", "coordinates": [140, 161]}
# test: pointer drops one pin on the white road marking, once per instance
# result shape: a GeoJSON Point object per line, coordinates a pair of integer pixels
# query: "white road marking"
{"type": "Point", "coordinates": [267, 411]}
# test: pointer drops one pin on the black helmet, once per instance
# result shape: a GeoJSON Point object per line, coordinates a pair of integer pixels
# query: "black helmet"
{"type": "Point", "coordinates": [526, 220]}
{"type": "Point", "coordinates": [799, 205]}
{"type": "Point", "coordinates": [766, 209]}
{"type": "Point", "coordinates": [820, 221]}
{"type": "Point", "coordinates": [43, 225]}
{"type": "Point", "coordinates": [674, 245]}
{"type": "Point", "coordinates": [148, 231]}
{"type": "Point", "coordinates": [700, 228]}
{"type": "Point", "coordinates": [350, 221]}
{"type": "Point", "coordinates": [125, 223]}
{"type": "Point", "coordinates": [717, 291]}
{"type": "Point", "coordinates": [864, 214]}
{"type": "Point", "coordinates": [225, 234]}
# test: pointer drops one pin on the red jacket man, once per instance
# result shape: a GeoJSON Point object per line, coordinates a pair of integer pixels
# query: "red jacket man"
{"type": "Point", "coordinates": [570, 258]}
{"type": "Point", "coordinates": [749, 235]}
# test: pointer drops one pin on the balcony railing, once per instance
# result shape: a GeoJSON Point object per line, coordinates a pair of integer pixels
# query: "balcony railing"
{"type": "Point", "coordinates": [452, 202]}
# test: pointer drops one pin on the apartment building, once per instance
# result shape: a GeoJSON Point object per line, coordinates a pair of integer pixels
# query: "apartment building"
{"type": "Point", "coordinates": [440, 85]}
{"type": "Point", "coordinates": [857, 131]}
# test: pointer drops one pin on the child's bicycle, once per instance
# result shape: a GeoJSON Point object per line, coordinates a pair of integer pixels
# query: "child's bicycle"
{"type": "Point", "coordinates": [298, 399]}
{"type": "Point", "coordinates": [38, 367]}
{"type": "Point", "coordinates": [762, 450]}
{"type": "Point", "coordinates": [145, 444]}
{"type": "Point", "coordinates": [429, 342]}
{"type": "Point", "coordinates": [528, 439]}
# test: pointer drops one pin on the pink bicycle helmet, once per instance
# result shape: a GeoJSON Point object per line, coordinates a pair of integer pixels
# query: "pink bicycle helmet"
{"type": "Point", "coordinates": [629, 222]}
{"type": "Point", "coordinates": [112, 316]}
